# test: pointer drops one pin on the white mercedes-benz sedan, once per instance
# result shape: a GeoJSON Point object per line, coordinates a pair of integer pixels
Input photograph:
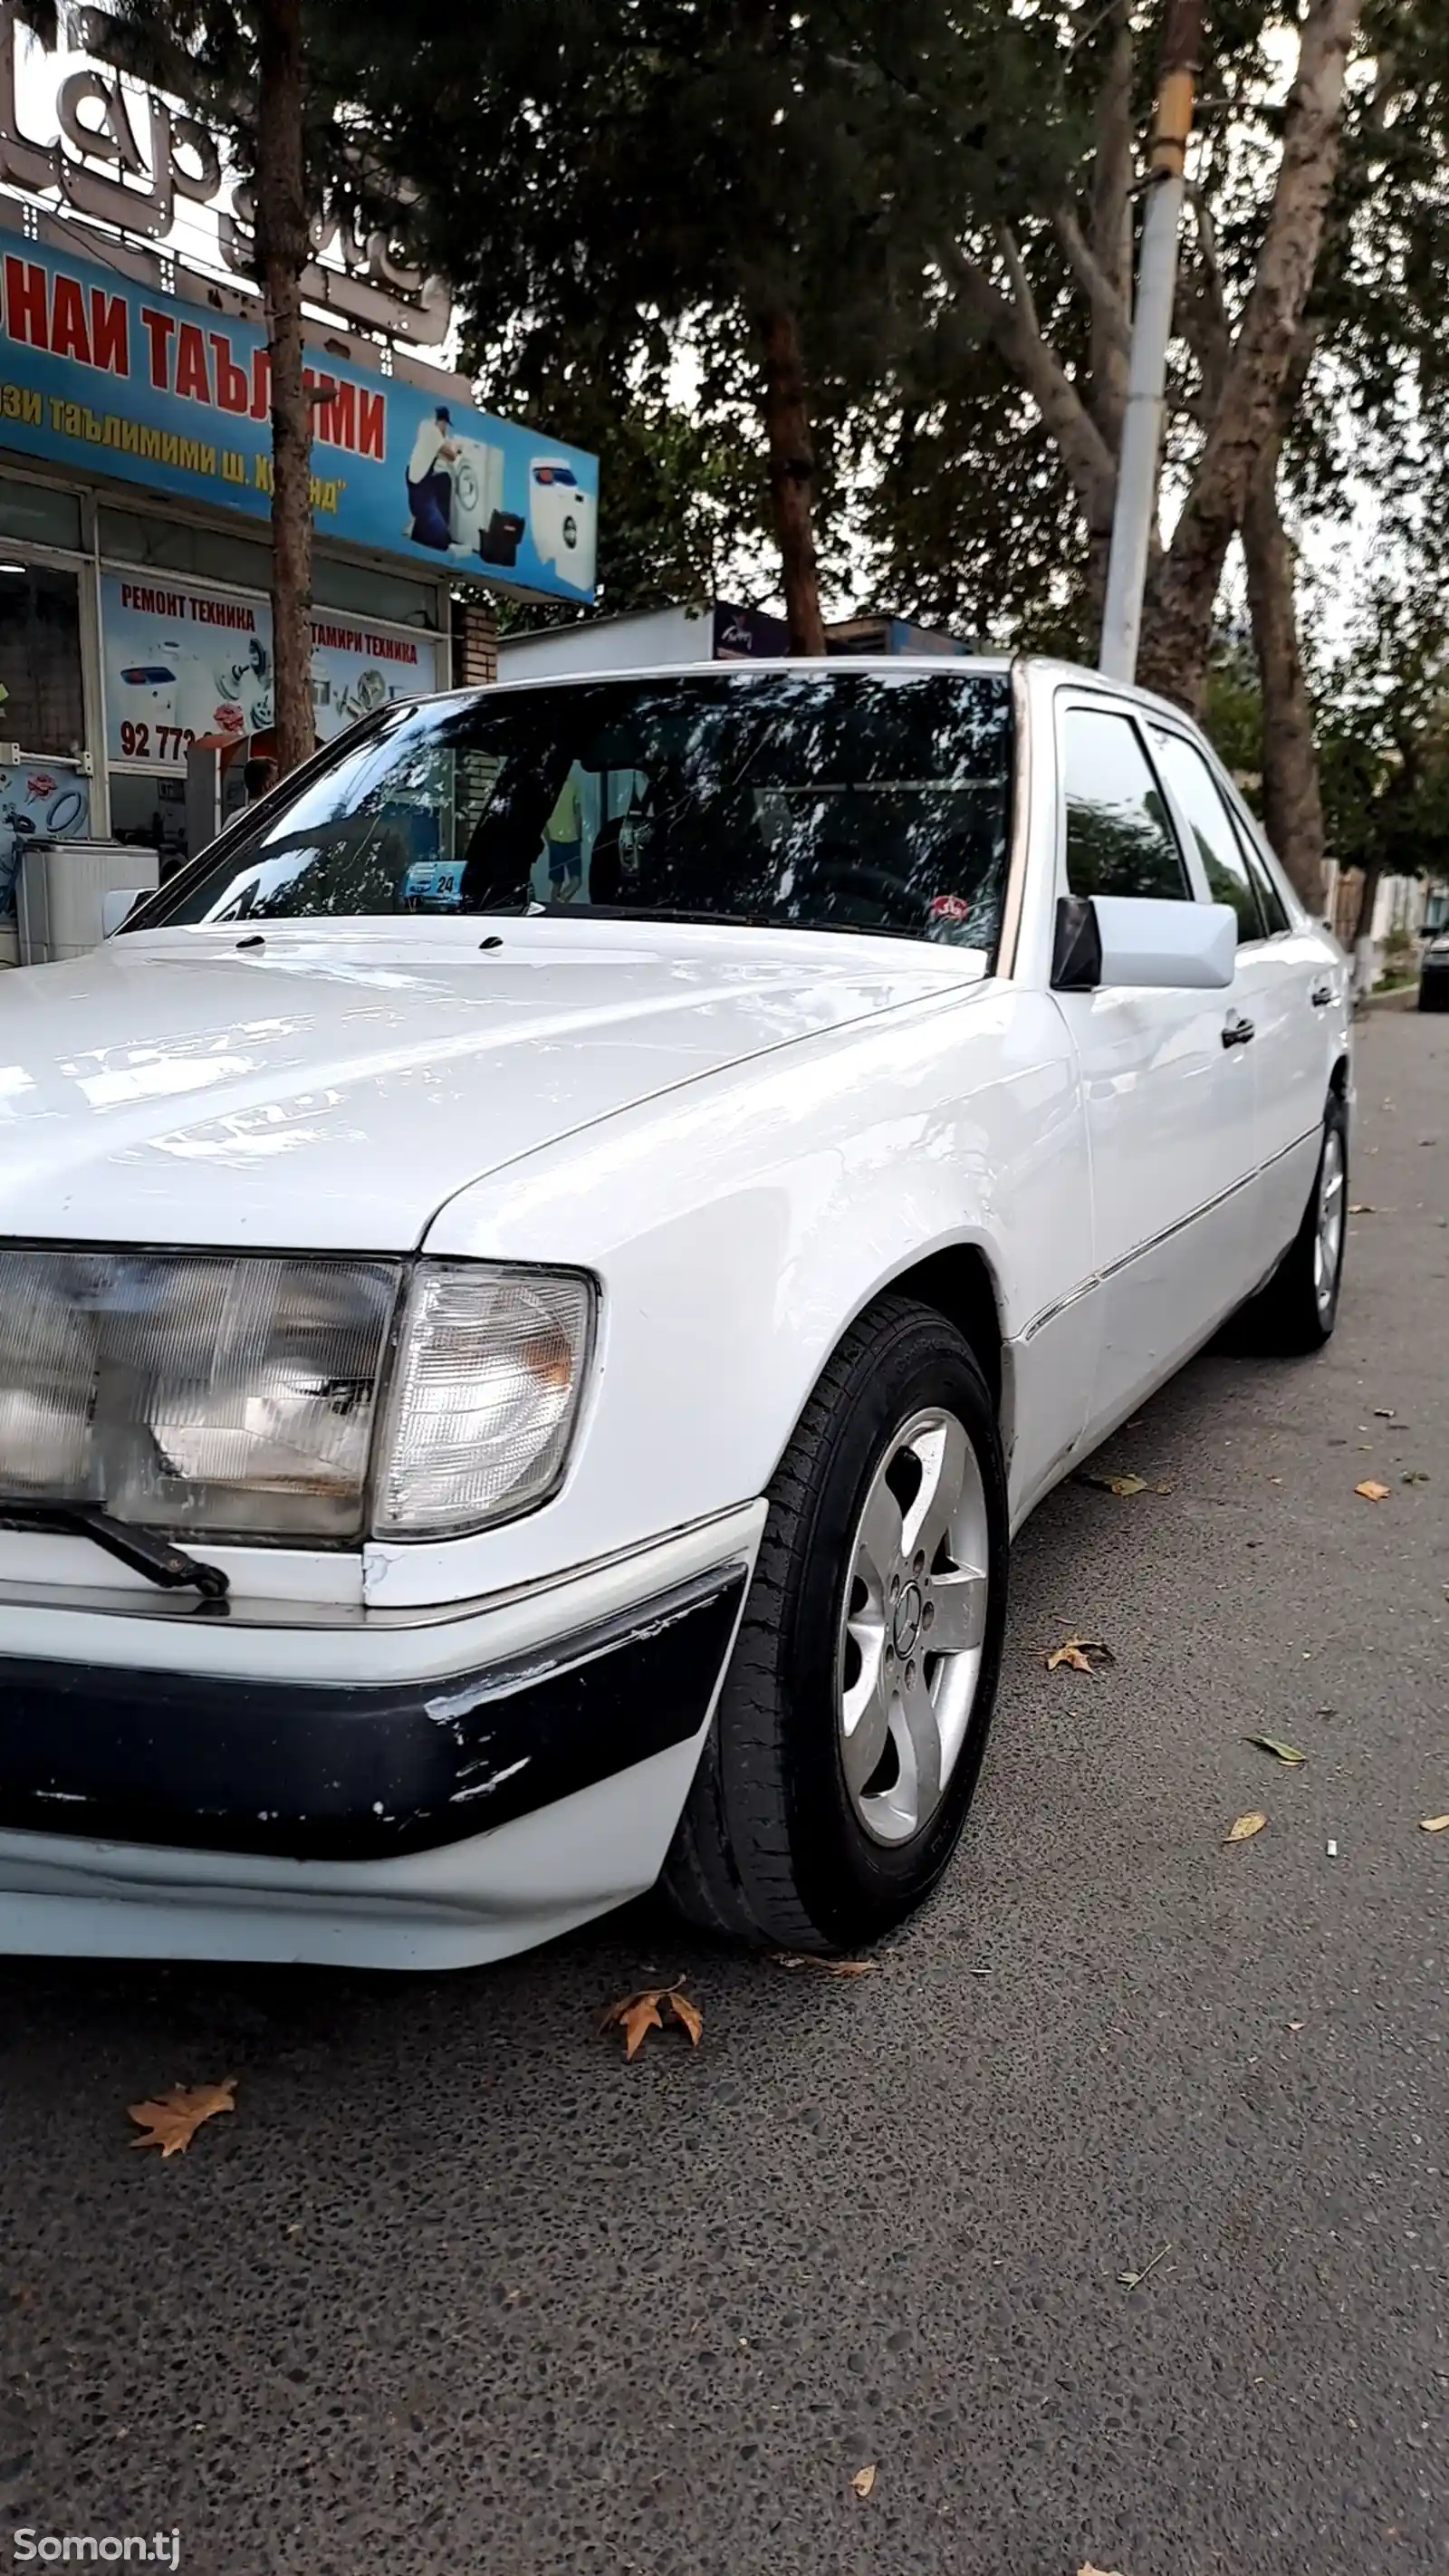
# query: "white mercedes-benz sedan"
{"type": "Point", "coordinates": [539, 1275]}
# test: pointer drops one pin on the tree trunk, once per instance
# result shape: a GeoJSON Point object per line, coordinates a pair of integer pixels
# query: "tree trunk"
{"type": "Point", "coordinates": [1177, 628]}
{"type": "Point", "coordinates": [792, 475]}
{"type": "Point", "coordinates": [1292, 800]}
{"type": "Point", "coordinates": [283, 249]}
{"type": "Point", "coordinates": [1365, 963]}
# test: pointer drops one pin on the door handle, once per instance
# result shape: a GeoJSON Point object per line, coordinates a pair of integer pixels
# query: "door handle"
{"type": "Point", "coordinates": [1237, 1031]}
{"type": "Point", "coordinates": [1321, 996]}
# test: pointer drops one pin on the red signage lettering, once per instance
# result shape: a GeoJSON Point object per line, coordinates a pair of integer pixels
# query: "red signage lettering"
{"type": "Point", "coordinates": [192, 381]}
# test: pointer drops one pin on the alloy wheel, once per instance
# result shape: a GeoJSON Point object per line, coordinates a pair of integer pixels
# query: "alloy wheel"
{"type": "Point", "coordinates": [912, 1625]}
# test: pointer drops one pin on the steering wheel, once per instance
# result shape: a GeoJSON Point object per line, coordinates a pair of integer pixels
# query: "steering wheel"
{"type": "Point", "coordinates": [903, 907]}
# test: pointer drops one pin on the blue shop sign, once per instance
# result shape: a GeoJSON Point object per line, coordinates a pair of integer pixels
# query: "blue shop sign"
{"type": "Point", "coordinates": [97, 372]}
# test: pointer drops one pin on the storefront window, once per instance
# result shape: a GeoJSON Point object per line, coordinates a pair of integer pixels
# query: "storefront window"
{"type": "Point", "coordinates": [40, 515]}
{"type": "Point", "coordinates": [173, 545]}
{"type": "Point", "coordinates": [388, 595]}
{"type": "Point", "coordinates": [41, 705]}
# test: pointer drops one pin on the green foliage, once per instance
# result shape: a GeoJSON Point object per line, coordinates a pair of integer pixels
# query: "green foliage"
{"type": "Point", "coordinates": [629, 174]}
{"type": "Point", "coordinates": [1233, 714]}
{"type": "Point", "coordinates": [1384, 747]}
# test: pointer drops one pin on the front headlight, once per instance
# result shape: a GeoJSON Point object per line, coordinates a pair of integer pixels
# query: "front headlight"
{"type": "Point", "coordinates": [210, 1394]}
{"type": "Point", "coordinates": [226, 1396]}
{"type": "Point", "coordinates": [485, 1392]}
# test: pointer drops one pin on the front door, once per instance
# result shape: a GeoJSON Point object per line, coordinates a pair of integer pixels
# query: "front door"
{"type": "Point", "coordinates": [1170, 1108]}
{"type": "Point", "coordinates": [1279, 971]}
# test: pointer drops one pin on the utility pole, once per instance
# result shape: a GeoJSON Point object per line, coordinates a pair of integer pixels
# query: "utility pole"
{"type": "Point", "coordinates": [1134, 514]}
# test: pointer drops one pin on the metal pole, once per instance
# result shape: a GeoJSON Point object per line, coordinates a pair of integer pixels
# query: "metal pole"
{"type": "Point", "coordinates": [1134, 513]}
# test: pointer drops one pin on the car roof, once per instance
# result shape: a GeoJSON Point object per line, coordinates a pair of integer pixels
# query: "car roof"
{"type": "Point", "coordinates": [833, 666]}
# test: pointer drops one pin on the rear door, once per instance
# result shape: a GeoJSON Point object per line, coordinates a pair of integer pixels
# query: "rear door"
{"type": "Point", "coordinates": [1170, 1109]}
{"type": "Point", "coordinates": [1280, 971]}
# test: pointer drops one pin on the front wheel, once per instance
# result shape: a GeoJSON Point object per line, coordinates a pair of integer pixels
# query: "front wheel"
{"type": "Point", "coordinates": [845, 1749]}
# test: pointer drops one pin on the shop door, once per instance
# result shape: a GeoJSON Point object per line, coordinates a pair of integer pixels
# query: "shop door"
{"type": "Point", "coordinates": [43, 794]}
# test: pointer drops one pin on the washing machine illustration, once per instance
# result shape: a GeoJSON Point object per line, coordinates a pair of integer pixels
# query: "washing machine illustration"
{"type": "Point", "coordinates": [562, 520]}
{"type": "Point", "coordinates": [479, 524]}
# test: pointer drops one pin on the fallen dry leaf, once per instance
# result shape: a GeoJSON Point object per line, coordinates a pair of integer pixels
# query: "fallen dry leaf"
{"type": "Point", "coordinates": [636, 2015]}
{"type": "Point", "coordinates": [1434, 1824]}
{"type": "Point", "coordinates": [1245, 1826]}
{"type": "Point", "coordinates": [1360, 1207]}
{"type": "Point", "coordinates": [1080, 1655]}
{"type": "Point", "coordinates": [172, 2120]}
{"type": "Point", "coordinates": [822, 1967]}
{"type": "Point", "coordinates": [1090, 2570]}
{"type": "Point", "coordinates": [688, 2013]}
{"type": "Point", "coordinates": [1372, 1491]}
{"type": "Point", "coordinates": [1414, 1476]}
{"type": "Point", "coordinates": [863, 2481]}
{"type": "Point", "coordinates": [1280, 1751]}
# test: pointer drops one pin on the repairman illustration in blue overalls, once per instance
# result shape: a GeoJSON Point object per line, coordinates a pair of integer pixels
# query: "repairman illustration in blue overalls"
{"type": "Point", "coordinates": [429, 482]}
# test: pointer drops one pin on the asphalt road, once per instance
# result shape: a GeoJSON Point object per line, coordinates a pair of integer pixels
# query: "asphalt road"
{"type": "Point", "coordinates": [456, 2292]}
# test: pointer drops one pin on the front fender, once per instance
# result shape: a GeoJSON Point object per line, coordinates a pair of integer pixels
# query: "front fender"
{"type": "Point", "coordinates": [738, 1226]}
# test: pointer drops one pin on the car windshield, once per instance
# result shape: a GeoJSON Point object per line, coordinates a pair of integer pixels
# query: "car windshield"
{"type": "Point", "coordinates": [862, 800]}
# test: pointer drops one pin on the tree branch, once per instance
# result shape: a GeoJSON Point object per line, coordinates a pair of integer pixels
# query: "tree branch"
{"type": "Point", "coordinates": [1109, 311]}
{"type": "Point", "coordinates": [1010, 324]}
{"type": "Point", "coordinates": [1201, 314]}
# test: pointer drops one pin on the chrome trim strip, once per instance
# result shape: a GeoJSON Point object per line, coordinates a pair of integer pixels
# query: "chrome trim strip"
{"type": "Point", "coordinates": [259, 1610]}
{"type": "Point", "coordinates": [1124, 1260]}
{"type": "Point", "coordinates": [1049, 1314]}
{"type": "Point", "coordinates": [585, 1645]}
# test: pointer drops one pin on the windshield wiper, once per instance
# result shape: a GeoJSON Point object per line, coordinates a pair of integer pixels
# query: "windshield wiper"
{"type": "Point", "coordinates": [146, 1554]}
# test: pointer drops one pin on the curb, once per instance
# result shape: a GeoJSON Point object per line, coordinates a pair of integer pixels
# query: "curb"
{"type": "Point", "coordinates": [1403, 998]}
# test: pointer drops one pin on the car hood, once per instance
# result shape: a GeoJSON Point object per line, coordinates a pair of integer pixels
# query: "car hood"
{"type": "Point", "coordinates": [331, 1086]}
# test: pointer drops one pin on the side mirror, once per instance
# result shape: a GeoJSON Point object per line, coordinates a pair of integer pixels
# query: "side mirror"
{"type": "Point", "coordinates": [117, 905]}
{"type": "Point", "coordinates": [1142, 942]}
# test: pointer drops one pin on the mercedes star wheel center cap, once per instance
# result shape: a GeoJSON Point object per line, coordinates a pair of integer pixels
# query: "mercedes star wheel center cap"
{"type": "Point", "coordinates": [906, 1626]}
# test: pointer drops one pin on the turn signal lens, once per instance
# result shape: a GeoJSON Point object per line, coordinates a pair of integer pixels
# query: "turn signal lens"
{"type": "Point", "coordinates": [485, 1393]}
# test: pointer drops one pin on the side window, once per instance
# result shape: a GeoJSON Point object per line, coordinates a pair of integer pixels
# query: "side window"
{"type": "Point", "coordinates": [1120, 838]}
{"type": "Point", "coordinates": [1270, 901]}
{"type": "Point", "coordinates": [1211, 826]}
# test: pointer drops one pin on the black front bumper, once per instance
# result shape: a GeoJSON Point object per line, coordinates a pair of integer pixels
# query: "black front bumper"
{"type": "Point", "coordinates": [352, 1772]}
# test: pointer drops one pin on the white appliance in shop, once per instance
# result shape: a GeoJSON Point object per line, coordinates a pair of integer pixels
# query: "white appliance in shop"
{"type": "Point", "coordinates": [562, 520]}
{"type": "Point", "coordinates": [477, 476]}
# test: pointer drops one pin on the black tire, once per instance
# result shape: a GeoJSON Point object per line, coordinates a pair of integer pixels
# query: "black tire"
{"type": "Point", "coordinates": [1288, 1317]}
{"type": "Point", "coordinates": [769, 1849]}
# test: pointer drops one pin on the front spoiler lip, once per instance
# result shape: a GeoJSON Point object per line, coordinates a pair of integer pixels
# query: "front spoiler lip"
{"type": "Point", "coordinates": [360, 1771]}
